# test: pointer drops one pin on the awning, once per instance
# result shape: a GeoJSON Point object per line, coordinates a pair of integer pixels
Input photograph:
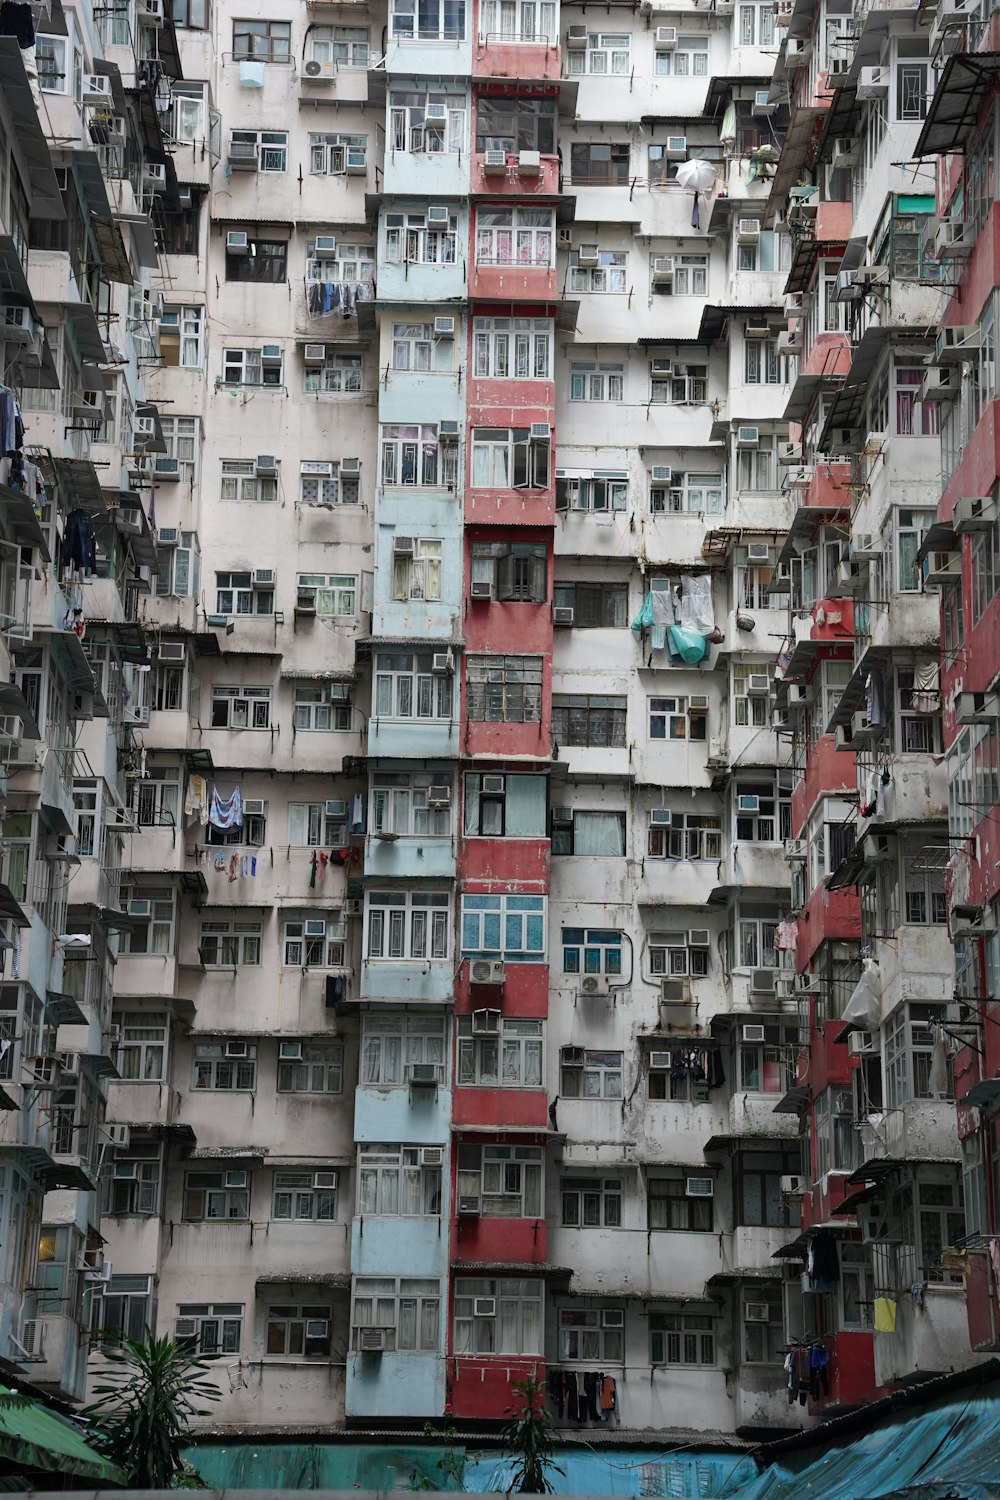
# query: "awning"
{"type": "Point", "coordinates": [63, 1010]}
{"type": "Point", "coordinates": [46, 199]}
{"type": "Point", "coordinates": [16, 291]}
{"type": "Point", "coordinates": [984, 1095]}
{"type": "Point", "coordinates": [42, 376]}
{"type": "Point", "coordinates": [97, 211]}
{"type": "Point", "coordinates": [228, 1153]}
{"type": "Point", "coordinates": [341, 1280]}
{"type": "Point", "coordinates": [744, 1273]}
{"type": "Point", "coordinates": [19, 514]}
{"type": "Point", "coordinates": [938, 538]}
{"type": "Point", "coordinates": [32, 1438]}
{"type": "Point", "coordinates": [512, 1268]}
{"type": "Point", "coordinates": [66, 645]}
{"type": "Point", "coordinates": [792, 1100]}
{"type": "Point", "coordinates": [86, 332]}
{"type": "Point", "coordinates": [143, 239]}
{"type": "Point", "coordinates": [10, 908]}
{"type": "Point", "coordinates": [961, 92]}
{"type": "Point", "coordinates": [79, 484]}
{"type": "Point", "coordinates": [798, 139]}
{"type": "Point", "coordinates": [748, 1142]}
{"type": "Point", "coordinates": [841, 119]}
{"type": "Point", "coordinates": [853, 696]}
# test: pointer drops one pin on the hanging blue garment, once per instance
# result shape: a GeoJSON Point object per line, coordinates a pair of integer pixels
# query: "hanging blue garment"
{"type": "Point", "coordinates": [226, 812]}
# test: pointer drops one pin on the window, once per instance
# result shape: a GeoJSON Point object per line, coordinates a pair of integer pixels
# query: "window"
{"type": "Point", "coordinates": [519, 20]}
{"type": "Point", "coordinates": [267, 41]}
{"type": "Point", "coordinates": [511, 1058]}
{"type": "Point", "coordinates": [677, 718]}
{"type": "Point", "coordinates": [431, 21]}
{"type": "Point", "coordinates": [225, 1065]}
{"type": "Point", "coordinates": [689, 59]}
{"type": "Point", "coordinates": [344, 46]}
{"type": "Point", "coordinates": [240, 481]}
{"type": "Point", "coordinates": [592, 950]}
{"type": "Point", "coordinates": [498, 1317]}
{"type": "Point", "coordinates": [985, 574]}
{"type": "Point", "coordinates": [182, 337]}
{"type": "Point", "coordinates": [182, 437]}
{"type": "Point", "coordinates": [169, 694]}
{"type": "Point", "coordinates": [329, 593]}
{"type": "Point", "coordinates": [756, 468]}
{"type": "Point", "coordinates": [751, 708]}
{"type": "Point", "coordinates": [85, 806]}
{"type": "Point", "coordinates": [606, 52]}
{"type": "Point", "coordinates": [252, 831]}
{"type": "Point", "coordinates": [761, 818]}
{"type": "Point", "coordinates": [407, 1308]}
{"type": "Point", "coordinates": [413, 455]}
{"type": "Point", "coordinates": [672, 1205]}
{"type": "Point", "coordinates": [271, 147]}
{"type": "Point", "coordinates": [347, 262]}
{"type": "Point", "coordinates": [409, 239]}
{"type": "Point", "coordinates": [512, 348]}
{"type": "Point", "coordinates": [298, 1331]}
{"type": "Point", "coordinates": [325, 483]}
{"type": "Point", "coordinates": [908, 1053]}
{"type": "Point", "coordinates": [123, 1309]}
{"type": "Point", "coordinates": [588, 1074]}
{"type": "Point", "coordinates": [241, 708]}
{"type": "Point", "coordinates": [599, 834]}
{"type": "Point", "coordinates": [681, 1339]}
{"type": "Point", "coordinates": [599, 494]}
{"type": "Point", "coordinates": [517, 572]}
{"type": "Point", "coordinates": [413, 346]}
{"type": "Point", "coordinates": [334, 155]}
{"type": "Point", "coordinates": [768, 1067]}
{"type": "Point", "coordinates": [515, 237]}
{"type": "Point", "coordinates": [914, 418]}
{"type": "Point", "coordinates": [595, 720]}
{"type": "Point", "coordinates": [756, 26]}
{"type": "Point", "coordinates": [690, 280]}
{"type": "Point", "coordinates": [599, 164]}
{"type": "Point", "coordinates": [679, 835]}
{"type": "Point", "coordinates": [834, 1130]}
{"type": "Point", "coordinates": [515, 124]}
{"type": "Point", "coordinates": [597, 383]}
{"type": "Point", "coordinates": [210, 1327]}
{"type": "Point", "coordinates": [59, 65]}
{"type": "Point", "coordinates": [340, 375]}
{"type": "Point", "coordinates": [317, 709]}
{"type": "Point", "coordinates": [230, 944]}
{"type": "Point", "coordinates": [179, 568]}
{"type": "Point", "coordinates": [416, 574]}
{"type": "Point", "coordinates": [756, 942]}
{"type": "Point", "coordinates": [506, 1179]}
{"type": "Point", "coordinates": [313, 942]}
{"type": "Point", "coordinates": [248, 366]}
{"type": "Point", "coordinates": [510, 927]}
{"type": "Point", "coordinates": [239, 594]}
{"type": "Point", "coordinates": [940, 1222]}
{"type": "Point", "coordinates": [426, 122]}
{"type": "Point", "coordinates": [406, 687]}
{"type": "Point", "coordinates": [608, 275]}
{"type": "Point", "coordinates": [305, 1197]}
{"type": "Point", "coordinates": [763, 1324]}
{"type": "Point", "coordinates": [407, 925]}
{"type": "Point", "coordinates": [405, 804]}
{"type": "Point", "coordinates": [686, 385]}
{"type": "Point", "coordinates": [399, 1181]}
{"type": "Point", "coordinates": [674, 954]}
{"type": "Point", "coordinates": [155, 936]}
{"type": "Point", "coordinates": [510, 458]}
{"type": "Point", "coordinates": [132, 1184]}
{"type": "Point", "coordinates": [504, 689]}
{"type": "Point", "coordinates": [699, 494]}
{"type": "Point", "coordinates": [911, 90]}
{"type": "Point", "coordinates": [142, 1045]}
{"type": "Point", "coordinates": [317, 825]}
{"type": "Point", "coordinates": [318, 1067]}
{"type": "Point", "coordinates": [762, 364]}
{"type": "Point", "coordinates": [592, 1335]}
{"type": "Point", "coordinates": [594, 605]}
{"type": "Point", "coordinates": [216, 1195]}
{"type": "Point", "coordinates": [919, 731]}
{"type": "Point", "coordinates": [391, 1044]}
{"type": "Point", "coordinates": [504, 806]}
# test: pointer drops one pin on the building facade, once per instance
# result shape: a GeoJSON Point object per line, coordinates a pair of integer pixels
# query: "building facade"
{"type": "Point", "coordinates": [501, 724]}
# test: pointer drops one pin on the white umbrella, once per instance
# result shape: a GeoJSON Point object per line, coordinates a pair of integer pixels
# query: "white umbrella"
{"type": "Point", "coordinates": [699, 175]}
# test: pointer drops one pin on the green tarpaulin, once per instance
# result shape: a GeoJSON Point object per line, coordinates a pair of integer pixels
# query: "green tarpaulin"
{"type": "Point", "coordinates": [33, 1438]}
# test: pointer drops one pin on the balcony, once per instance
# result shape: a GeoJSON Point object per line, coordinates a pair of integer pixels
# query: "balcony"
{"type": "Point", "coordinates": [510, 280]}
{"type": "Point", "coordinates": [387, 855]}
{"type": "Point", "coordinates": [499, 54]}
{"type": "Point", "coordinates": [753, 866]}
{"type": "Point", "coordinates": [131, 1103]}
{"type": "Point", "coordinates": [391, 1385]}
{"type": "Point", "coordinates": [920, 1130]}
{"type": "Point", "coordinates": [929, 1340]}
{"type": "Point", "coordinates": [753, 1115]}
{"type": "Point", "coordinates": [419, 982]}
{"type": "Point", "coordinates": [522, 174]}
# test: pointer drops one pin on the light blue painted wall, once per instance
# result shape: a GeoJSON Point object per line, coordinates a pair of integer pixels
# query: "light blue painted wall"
{"type": "Point", "coordinates": [424, 982]}
{"type": "Point", "coordinates": [430, 396]}
{"type": "Point", "coordinates": [411, 858]}
{"type": "Point", "coordinates": [391, 1385]}
{"type": "Point", "coordinates": [413, 739]}
{"type": "Point", "coordinates": [410, 1116]}
{"type": "Point", "coordinates": [400, 1247]}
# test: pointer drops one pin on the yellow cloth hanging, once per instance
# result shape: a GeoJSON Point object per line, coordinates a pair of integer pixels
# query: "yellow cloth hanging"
{"type": "Point", "coordinates": [885, 1315]}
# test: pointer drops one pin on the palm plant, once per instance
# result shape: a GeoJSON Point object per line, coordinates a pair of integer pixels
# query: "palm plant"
{"type": "Point", "coordinates": [528, 1439]}
{"type": "Point", "coordinates": [142, 1417]}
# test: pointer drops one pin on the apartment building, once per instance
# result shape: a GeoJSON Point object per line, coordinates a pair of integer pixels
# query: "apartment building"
{"type": "Point", "coordinates": [428, 965]}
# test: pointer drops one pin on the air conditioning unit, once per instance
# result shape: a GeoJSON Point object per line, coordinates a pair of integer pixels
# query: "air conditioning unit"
{"type": "Point", "coordinates": [444, 328]}
{"type": "Point", "coordinates": [442, 663]}
{"type": "Point", "coordinates": [793, 1186]}
{"type": "Point", "coordinates": [699, 937]}
{"type": "Point", "coordinates": [236, 1179]}
{"type": "Point", "coordinates": [594, 984]}
{"type": "Point", "coordinates": [469, 1206]}
{"type": "Point", "coordinates": [663, 270]}
{"type": "Point", "coordinates": [402, 546]}
{"type": "Point", "coordinates": [661, 367]}
{"type": "Point", "coordinates": [439, 796]}
{"type": "Point", "coordinates": [436, 112]}
{"type": "Point", "coordinates": [789, 453]}
{"type": "Point", "coordinates": [756, 1312]}
{"type": "Point", "coordinates": [576, 39]}
{"type": "Point", "coordinates": [141, 909]}
{"type": "Point", "coordinates": [562, 817]}
{"type": "Point", "coordinates": [352, 906]}
{"type": "Point", "coordinates": [974, 513]}
{"type": "Point", "coordinates": [588, 255]}
{"type": "Point", "coordinates": [481, 590]}
{"type": "Point", "coordinates": [758, 552]}
{"type": "Point", "coordinates": [97, 88]}
{"type": "Point", "coordinates": [357, 162]}
{"type": "Point", "coordinates": [325, 1179]}
{"type": "Point", "coordinates": [529, 163]}
{"type": "Point", "coordinates": [150, 13]}
{"type": "Point", "coordinates": [700, 1187]}
{"type": "Point", "coordinates": [762, 104]}
{"type": "Point", "coordinates": [762, 981]}
{"type": "Point", "coordinates": [658, 1060]}
{"type": "Point", "coordinates": [790, 343]}
{"type": "Point", "coordinates": [748, 437]}
{"type": "Point", "coordinates": [17, 326]}
{"type": "Point", "coordinates": [484, 1307]}
{"type": "Point", "coordinates": [665, 38]}
{"type": "Point", "coordinates": [797, 53]}
{"type": "Point", "coordinates": [154, 176]}
{"type": "Point", "coordinates": [439, 215]}
{"type": "Point", "coordinates": [424, 1075]}
{"type": "Point", "coordinates": [314, 354]}
{"type": "Point", "coordinates": [977, 708]}
{"type": "Point", "coordinates": [873, 83]}
{"type": "Point", "coordinates": [572, 1057]}
{"type": "Point", "coordinates": [846, 153]}
{"type": "Point", "coordinates": [119, 1136]}
{"type": "Point", "coordinates": [305, 602]}
{"type": "Point", "coordinates": [941, 383]}
{"type": "Point", "coordinates": [495, 163]}
{"type": "Point", "coordinates": [959, 342]}
{"type": "Point", "coordinates": [758, 685]}
{"type": "Point", "coordinates": [60, 846]}
{"type": "Point", "coordinates": [237, 1049]}
{"type": "Point", "coordinates": [315, 71]}
{"type": "Point", "coordinates": [165, 470]}
{"type": "Point", "coordinates": [862, 1044]}
{"type": "Point", "coordinates": [263, 578]}
{"type": "Point", "coordinates": [487, 971]}
{"type": "Point", "coordinates": [954, 239]}
{"type": "Point", "coordinates": [540, 432]}
{"type": "Point", "coordinates": [752, 1033]}
{"type": "Point", "coordinates": [563, 616]}
{"type": "Point", "coordinates": [675, 148]}
{"type": "Point", "coordinates": [325, 244]}
{"type": "Point", "coordinates": [661, 474]}
{"type": "Point", "coordinates": [372, 1340]}
{"type": "Point", "coordinates": [747, 231]}
{"type": "Point", "coordinates": [447, 432]}
{"type": "Point", "coordinates": [237, 242]}
{"type": "Point", "coordinates": [675, 991]}
{"type": "Point", "coordinates": [485, 1023]}
{"type": "Point", "coordinates": [746, 803]}
{"type": "Point", "coordinates": [242, 156]}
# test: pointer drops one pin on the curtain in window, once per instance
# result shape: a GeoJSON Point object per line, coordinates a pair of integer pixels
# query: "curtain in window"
{"type": "Point", "coordinates": [526, 806]}
{"type": "Point", "coordinates": [598, 833]}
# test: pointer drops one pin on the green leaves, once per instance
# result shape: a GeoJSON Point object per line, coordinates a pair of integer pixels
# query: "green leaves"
{"type": "Point", "coordinates": [528, 1439]}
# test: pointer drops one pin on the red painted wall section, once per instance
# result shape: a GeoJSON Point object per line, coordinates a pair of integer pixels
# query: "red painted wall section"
{"type": "Point", "coordinates": [828, 355]}
{"type": "Point", "coordinates": [522, 1240]}
{"type": "Point", "coordinates": [826, 915]}
{"type": "Point", "coordinates": [513, 283]}
{"type": "Point", "coordinates": [504, 57]}
{"type": "Point", "coordinates": [980, 276]}
{"type": "Point", "coordinates": [821, 1200]}
{"type": "Point", "coordinates": [982, 1300]}
{"type": "Point", "coordinates": [991, 1040]}
{"type": "Point", "coordinates": [503, 403]}
{"type": "Point", "coordinates": [829, 486]}
{"type": "Point", "coordinates": [521, 1107]}
{"type": "Point", "coordinates": [852, 1371]}
{"type": "Point", "coordinates": [480, 1384]}
{"type": "Point", "coordinates": [505, 864]}
{"type": "Point", "coordinates": [516, 184]}
{"type": "Point", "coordinates": [525, 993]}
{"type": "Point", "coordinates": [830, 1064]}
{"type": "Point", "coordinates": [526, 740]}
{"type": "Point", "coordinates": [833, 226]}
{"type": "Point", "coordinates": [967, 1068]}
{"type": "Point", "coordinates": [979, 465]}
{"type": "Point", "coordinates": [830, 772]}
